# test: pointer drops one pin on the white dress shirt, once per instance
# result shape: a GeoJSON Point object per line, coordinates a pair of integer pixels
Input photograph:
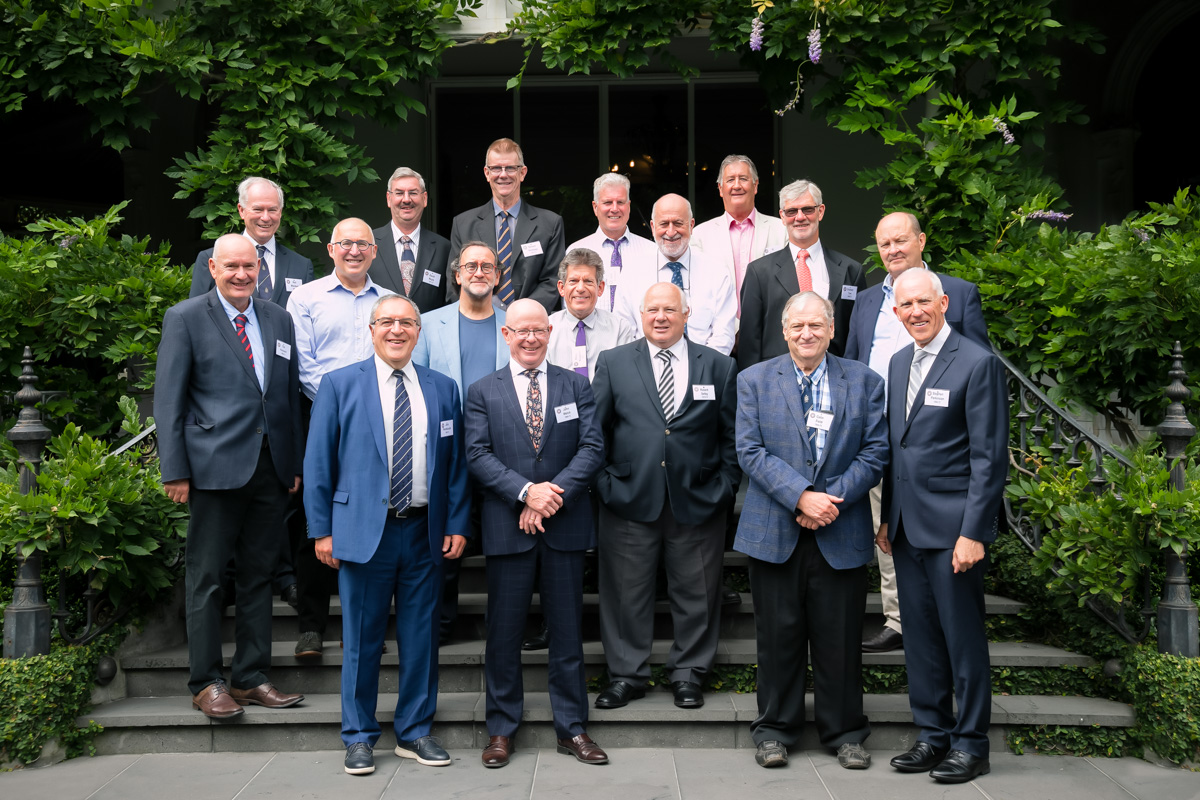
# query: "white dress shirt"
{"type": "Point", "coordinates": [602, 331]}
{"type": "Point", "coordinates": [639, 257]}
{"type": "Point", "coordinates": [933, 348]}
{"type": "Point", "coordinates": [386, 378]}
{"type": "Point", "coordinates": [416, 242]}
{"type": "Point", "coordinates": [268, 259]}
{"type": "Point", "coordinates": [253, 335]}
{"type": "Point", "coordinates": [679, 367]}
{"type": "Point", "coordinates": [890, 334]}
{"type": "Point", "coordinates": [521, 383]}
{"type": "Point", "coordinates": [816, 267]}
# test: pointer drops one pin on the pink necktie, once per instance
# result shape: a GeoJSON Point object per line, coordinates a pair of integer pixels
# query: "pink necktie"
{"type": "Point", "coordinates": [803, 273]}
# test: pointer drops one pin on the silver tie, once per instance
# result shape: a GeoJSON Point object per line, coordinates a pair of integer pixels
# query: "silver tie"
{"type": "Point", "coordinates": [666, 385]}
{"type": "Point", "coordinates": [915, 377]}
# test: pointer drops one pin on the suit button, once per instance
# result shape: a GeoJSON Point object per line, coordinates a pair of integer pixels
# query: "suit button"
{"type": "Point", "coordinates": [664, 463]}
{"type": "Point", "coordinates": [539, 458]}
{"type": "Point", "coordinates": [668, 431]}
{"type": "Point", "coordinates": [258, 430]}
{"type": "Point", "coordinates": [903, 445]}
{"type": "Point", "coordinates": [809, 463]}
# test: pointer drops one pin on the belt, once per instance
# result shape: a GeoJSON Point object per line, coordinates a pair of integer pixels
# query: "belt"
{"type": "Point", "coordinates": [409, 513]}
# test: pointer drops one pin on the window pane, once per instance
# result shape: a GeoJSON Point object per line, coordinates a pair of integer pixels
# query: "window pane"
{"type": "Point", "coordinates": [560, 134]}
{"type": "Point", "coordinates": [750, 133]}
{"type": "Point", "coordinates": [647, 128]}
{"type": "Point", "coordinates": [468, 120]}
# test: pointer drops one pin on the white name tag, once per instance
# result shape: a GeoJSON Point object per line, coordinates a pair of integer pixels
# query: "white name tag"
{"type": "Point", "coordinates": [530, 249]}
{"type": "Point", "coordinates": [283, 349]}
{"type": "Point", "coordinates": [566, 413]}
{"type": "Point", "coordinates": [821, 420]}
{"type": "Point", "coordinates": [703, 392]}
{"type": "Point", "coordinates": [579, 356]}
{"type": "Point", "coordinates": [292, 284]}
{"type": "Point", "coordinates": [432, 278]}
{"type": "Point", "coordinates": [939, 398]}
{"type": "Point", "coordinates": [849, 292]}
{"type": "Point", "coordinates": [447, 428]}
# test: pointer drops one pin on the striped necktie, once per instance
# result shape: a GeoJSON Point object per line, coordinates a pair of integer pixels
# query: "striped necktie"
{"type": "Point", "coordinates": [666, 385]}
{"type": "Point", "coordinates": [504, 248]}
{"type": "Point", "coordinates": [915, 378]}
{"type": "Point", "coordinates": [239, 323]}
{"type": "Point", "coordinates": [402, 455]}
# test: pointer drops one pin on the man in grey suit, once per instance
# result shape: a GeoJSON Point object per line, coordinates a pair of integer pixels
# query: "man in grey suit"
{"type": "Point", "coordinates": [227, 403]}
{"type": "Point", "coordinates": [410, 257]}
{"type": "Point", "coordinates": [805, 264]}
{"type": "Point", "coordinates": [528, 241]}
{"type": "Point", "coordinates": [812, 438]}
{"type": "Point", "coordinates": [666, 406]}
{"type": "Point", "coordinates": [260, 205]}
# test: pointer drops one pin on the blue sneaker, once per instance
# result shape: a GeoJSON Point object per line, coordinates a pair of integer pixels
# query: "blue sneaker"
{"type": "Point", "coordinates": [359, 759]}
{"type": "Point", "coordinates": [425, 750]}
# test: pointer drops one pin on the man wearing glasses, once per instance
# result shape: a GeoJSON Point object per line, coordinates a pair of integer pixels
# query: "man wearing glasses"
{"type": "Point", "coordinates": [332, 317]}
{"type": "Point", "coordinates": [805, 264]}
{"type": "Point", "coordinates": [528, 241]}
{"type": "Point", "coordinates": [410, 257]}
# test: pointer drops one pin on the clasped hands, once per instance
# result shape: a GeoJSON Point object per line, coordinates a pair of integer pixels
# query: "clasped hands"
{"type": "Point", "coordinates": [817, 509]}
{"type": "Point", "coordinates": [541, 501]}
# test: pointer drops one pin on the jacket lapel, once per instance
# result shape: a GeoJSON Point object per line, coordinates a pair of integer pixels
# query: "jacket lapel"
{"type": "Point", "coordinates": [698, 374]}
{"type": "Point", "coordinates": [837, 274]}
{"type": "Point", "coordinates": [785, 271]}
{"type": "Point", "coordinates": [386, 253]}
{"type": "Point", "coordinates": [641, 361]}
{"type": "Point", "coordinates": [788, 388]}
{"type": "Point", "coordinates": [932, 375]}
{"type": "Point", "coordinates": [216, 313]}
{"type": "Point", "coordinates": [268, 333]}
{"type": "Point", "coordinates": [508, 396]}
{"type": "Point", "coordinates": [368, 385]}
{"type": "Point", "coordinates": [835, 378]}
{"type": "Point", "coordinates": [434, 418]}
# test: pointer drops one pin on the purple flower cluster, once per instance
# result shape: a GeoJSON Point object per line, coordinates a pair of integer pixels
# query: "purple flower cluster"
{"type": "Point", "coordinates": [814, 45]}
{"type": "Point", "coordinates": [1141, 234]}
{"type": "Point", "coordinates": [756, 33]}
{"type": "Point", "coordinates": [1000, 125]}
{"type": "Point", "coordinates": [66, 243]}
{"type": "Point", "coordinates": [1049, 216]}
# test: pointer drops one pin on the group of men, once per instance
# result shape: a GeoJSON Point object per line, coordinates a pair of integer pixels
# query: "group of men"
{"type": "Point", "coordinates": [429, 393]}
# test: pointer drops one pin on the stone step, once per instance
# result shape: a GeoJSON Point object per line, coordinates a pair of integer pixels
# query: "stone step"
{"type": "Point", "coordinates": [169, 724]}
{"type": "Point", "coordinates": [460, 665]}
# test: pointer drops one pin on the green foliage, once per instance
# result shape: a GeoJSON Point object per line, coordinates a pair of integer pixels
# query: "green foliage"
{"type": "Point", "coordinates": [1165, 692]}
{"type": "Point", "coordinates": [1061, 681]}
{"type": "Point", "coordinates": [1094, 741]}
{"type": "Point", "coordinates": [97, 515]}
{"type": "Point", "coordinates": [90, 306]}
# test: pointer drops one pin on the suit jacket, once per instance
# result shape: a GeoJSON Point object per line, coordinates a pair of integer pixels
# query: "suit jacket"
{"type": "Point", "coordinates": [773, 449]}
{"type": "Point", "coordinates": [210, 411]}
{"type": "Point", "coordinates": [965, 315]}
{"type": "Point", "coordinates": [432, 257]}
{"type": "Point", "coordinates": [288, 264]}
{"type": "Point", "coordinates": [696, 446]}
{"type": "Point", "coordinates": [502, 459]}
{"type": "Point", "coordinates": [347, 483]}
{"type": "Point", "coordinates": [438, 347]}
{"type": "Point", "coordinates": [949, 464]}
{"type": "Point", "coordinates": [770, 281]}
{"type": "Point", "coordinates": [712, 238]}
{"type": "Point", "coordinates": [533, 276]}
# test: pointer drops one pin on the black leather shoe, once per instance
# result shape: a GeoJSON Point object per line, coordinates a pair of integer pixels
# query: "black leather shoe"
{"type": "Point", "coordinates": [539, 641]}
{"type": "Point", "coordinates": [921, 758]}
{"type": "Point", "coordinates": [290, 596]}
{"type": "Point", "coordinates": [730, 597]}
{"type": "Point", "coordinates": [960, 767]}
{"type": "Point", "coordinates": [687, 694]}
{"type": "Point", "coordinates": [885, 641]}
{"type": "Point", "coordinates": [618, 694]}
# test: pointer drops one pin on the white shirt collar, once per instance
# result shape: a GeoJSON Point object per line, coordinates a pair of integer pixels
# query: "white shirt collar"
{"type": "Point", "coordinates": [813, 252]}
{"type": "Point", "coordinates": [515, 367]}
{"type": "Point", "coordinates": [384, 370]}
{"type": "Point", "coordinates": [397, 233]}
{"type": "Point", "coordinates": [679, 349]}
{"type": "Point", "coordinates": [270, 242]}
{"type": "Point", "coordinates": [935, 346]}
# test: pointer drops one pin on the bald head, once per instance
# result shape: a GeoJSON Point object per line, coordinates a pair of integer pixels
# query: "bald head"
{"type": "Point", "coordinates": [671, 221]}
{"type": "Point", "coordinates": [527, 332]}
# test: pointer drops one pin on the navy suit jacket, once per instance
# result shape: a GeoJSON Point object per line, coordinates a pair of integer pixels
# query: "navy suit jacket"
{"type": "Point", "coordinates": [432, 256]}
{"type": "Point", "coordinates": [949, 463]}
{"type": "Point", "coordinates": [773, 450]}
{"type": "Point", "coordinates": [502, 459]}
{"type": "Point", "coordinates": [288, 264]}
{"type": "Point", "coordinates": [210, 411]}
{"type": "Point", "coordinates": [533, 276]}
{"type": "Point", "coordinates": [347, 483]}
{"type": "Point", "coordinates": [965, 315]}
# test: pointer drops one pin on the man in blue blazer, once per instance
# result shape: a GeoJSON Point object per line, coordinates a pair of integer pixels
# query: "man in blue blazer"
{"type": "Point", "coordinates": [948, 429]}
{"type": "Point", "coordinates": [812, 438]}
{"type": "Point", "coordinates": [387, 503]}
{"type": "Point", "coordinates": [533, 444]}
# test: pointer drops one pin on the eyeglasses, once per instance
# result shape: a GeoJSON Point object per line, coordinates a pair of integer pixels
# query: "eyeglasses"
{"type": "Point", "coordinates": [349, 244]}
{"type": "Point", "coordinates": [405, 324]}
{"type": "Point", "coordinates": [505, 170]}
{"type": "Point", "coordinates": [413, 193]}
{"type": "Point", "coordinates": [736, 179]}
{"type": "Point", "coordinates": [527, 333]}
{"type": "Point", "coordinates": [807, 211]}
{"type": "Point", "coordinates": [471, 268]}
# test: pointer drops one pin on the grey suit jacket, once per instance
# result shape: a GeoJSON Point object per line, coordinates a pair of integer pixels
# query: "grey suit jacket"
{"type": "Point", "coordinates": [288, 264]}
{"type": "Point", "coordinates": [533, 276]}
{"type": "Point", "coordinates": [432, 257]}
{"type": "Point", "coordinates": [211, 413]}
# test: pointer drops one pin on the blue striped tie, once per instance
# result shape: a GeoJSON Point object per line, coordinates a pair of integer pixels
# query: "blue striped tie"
{"type": "Point", "coordinates": [504, 252]}
{"type": "Point", "coordinates": [402, 479]}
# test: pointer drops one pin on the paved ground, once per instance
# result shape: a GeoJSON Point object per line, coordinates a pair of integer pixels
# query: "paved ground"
{"type": "Point", "coordinates": [634, 774]}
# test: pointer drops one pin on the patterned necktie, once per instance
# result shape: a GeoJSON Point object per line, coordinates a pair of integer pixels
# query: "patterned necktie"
{"type": "Point", "coordinates": [408, 263]}
{"type": "Point", "coordinates": [265, 286]}
{"type": "Point", "coordinates": [504, 247]}
{"type": "Point", "coordinates": [666, 385]}
{"type": "Point", "coordinates": [614, 263]}
{"type": "Point", "coordinates": [402, 479]}
{"type": "Point", "coordinates": [239, 326]}
{"type": "Point", "coordinates": [581, 341]}
{"type": "Point", "coordinates": [676, 273]}
{"type": "Point", "coordinates": [915, 378]}
{"type": "Point", "coordinates": [803, 273]}
{"type": "Point", "coordinates": [806, 406]}
{"type": "Point", "coordinates": [533, 408]}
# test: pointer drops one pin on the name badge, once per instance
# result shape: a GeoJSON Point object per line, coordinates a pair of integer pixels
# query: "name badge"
{"type": "Point", "coordinates": [283, 349]}
{"type": "Point", "coordinates": [821, 420]}
{"type": "Point", "coordinates": [704, 392]}
{"type": "Point", "coordinates": [530, 249]}
{"type": "Point", "coordinates": [432, 278]}
{"type": "Point", "coordinates": [566, 413]}
{"type": "Point", "coordinates": [939, 398]}
{"type": "Point", "coordinates": [447, 428]}
{"type": "Point", "coordinates": [292, 284]}
{"type": "Point", "coordinates": [849, 292]}
{"type": "Point", "coordinates": [579, 356]}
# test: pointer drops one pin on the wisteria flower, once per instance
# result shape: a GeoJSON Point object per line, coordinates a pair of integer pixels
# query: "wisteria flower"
{"type": "Point", "coordinates": [1049, 216]}
{"type": "Point", "coordinates": [814, 45]}
{"type": "Point", "coordinates": [1141, 234]}
{"type": "Point", "coordinates": [756, 34]}
{"type": "Point", "coordinates": [66, 243]}
{"type": "Point", "coordinates": [1000, 125]}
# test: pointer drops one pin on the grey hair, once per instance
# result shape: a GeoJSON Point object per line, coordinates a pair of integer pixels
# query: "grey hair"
{"type": "Point", "coordinates": [934, 280]}
{"type": "Point", "coordinates": [473, 243]}
{"type": "Point", "coordinates": [800, 299]}
{"type": "Point", "coordinates": [609, 179]}
{"type": "Point", "coordinates": [244, 189]}
{"type": "Point", "coordinates": [736, 159]}
{"type": "Point", "coordinates": [682, 296]}
{"type": "Point", "coordinates": [797, 188]}
{"type": "Point", "coordinates": [406, 172]}
{"type": "Point", "coordinates": [333, 234]}
{"type": "Point", "coordinates": [582, 257]}
{"type": "Point", "coordinates": [388, 297]}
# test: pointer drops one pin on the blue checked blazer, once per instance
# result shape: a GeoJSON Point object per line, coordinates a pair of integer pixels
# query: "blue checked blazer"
{"type": "Point", "coordinates": [501, 457]}
{"type": "Point", "coordinates": [773, 451]}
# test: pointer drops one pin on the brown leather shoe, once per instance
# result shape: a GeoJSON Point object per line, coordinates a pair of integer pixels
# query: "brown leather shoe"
{"type": "Point", "coordinates": [497, 752]}
{"type": "Point", "coordinates": [265, 695]}
{"type": "Point", "coordinates": [214, 701]}
{"type": "Point", "coordinates": [584, 749]}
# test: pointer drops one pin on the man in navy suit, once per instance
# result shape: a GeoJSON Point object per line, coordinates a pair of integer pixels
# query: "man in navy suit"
{"type": "Point", "coordinates": [387, 503]}
{"type": "Point", "coordinates": [812, 438]}
{"type": "Point", "coordinates": [948, 429]}
{"type": "Point", "coordinates": [227, 403]}
{"type": "Point", "coordinates": [410, 257]}
{"type": "Point", "coordinates": [533, 444]}
{"type": "Point", "coordinates": [875, 336]}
